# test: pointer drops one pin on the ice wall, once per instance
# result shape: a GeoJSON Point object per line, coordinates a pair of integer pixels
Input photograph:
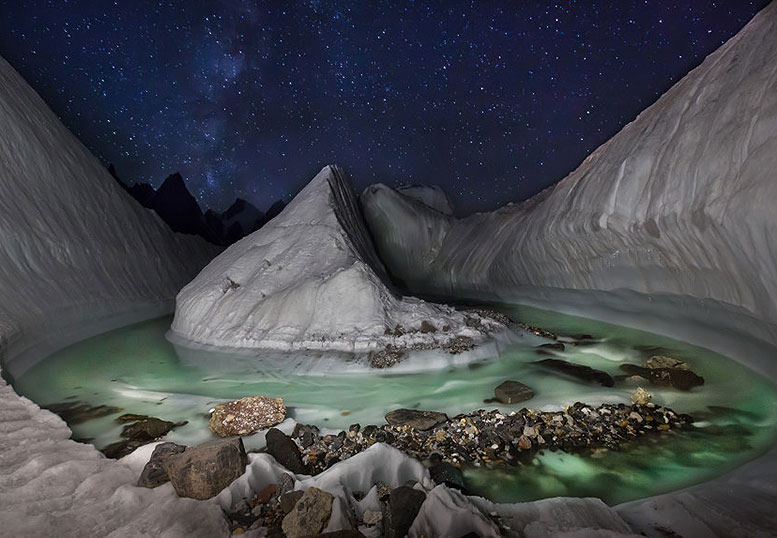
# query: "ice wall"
{"type": "Point", "coordinates": [681, 201]}
{"type": "Point", "coordinates": [77, 255]}
{"type": "Point", "coordinates": [309, 279]}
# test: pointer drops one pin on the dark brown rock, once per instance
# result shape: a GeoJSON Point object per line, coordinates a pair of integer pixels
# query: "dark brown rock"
{"type": "Point", "coordinates": [413, 418]}
{"type": "Point", "coordinates": [402, 508]}
{"type": "Point", "coordinates": [427, 327]}
{"type": "Point", "coordinates": [154, 473]}
{"type": "Point", "coordinates": [578, 371]}
{"type": "Point", "coordinates": [203, 471]}
{"type": "Point", "coordinates": [679, 378]}
{"type": "Point", "coordinates": [512, 392]}
{"type": "Point", "coordinates": [147, 429]}
{"type": "Point", "coordinates": [288, 500]}
{"type": "Point", "coordinates": [281, 447]}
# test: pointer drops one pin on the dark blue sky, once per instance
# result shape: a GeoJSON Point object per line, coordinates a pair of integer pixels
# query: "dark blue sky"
{"type": "Point", "coordinates": [491, 100]}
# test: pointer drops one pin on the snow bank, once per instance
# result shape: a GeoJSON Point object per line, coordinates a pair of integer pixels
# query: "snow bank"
{"type": "Point", "coordinates": [681, 201]}
{"type": "Point", "coordinates": [310, 279]}
{"type": "Point", "coordinates": [77, 255]}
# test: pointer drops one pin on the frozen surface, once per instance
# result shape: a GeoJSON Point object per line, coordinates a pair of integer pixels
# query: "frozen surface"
{"type": "Point", "coordinates": [681, 201]}
{"type": "Point", "coordinates": [75, 247]}
{"type": "Point", "coordinates": [309, 279]}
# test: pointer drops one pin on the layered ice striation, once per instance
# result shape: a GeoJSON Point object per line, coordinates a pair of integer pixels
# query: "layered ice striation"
{"type": "Point", "coordinates": [311, 279]}
{"type": "Point", "coordinates": [75, 251]}
{"type": "Point", "coordinates": [681, 201]}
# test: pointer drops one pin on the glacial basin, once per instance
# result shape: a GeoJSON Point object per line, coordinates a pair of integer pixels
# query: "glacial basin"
{"type": "Point", "coordinates": [138, 370]}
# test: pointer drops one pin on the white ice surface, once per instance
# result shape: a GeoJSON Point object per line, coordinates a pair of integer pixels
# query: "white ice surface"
{"type": "Point", "coordinates": [681, 201]}
{"type": "Point", "coordinates": [309, 279]}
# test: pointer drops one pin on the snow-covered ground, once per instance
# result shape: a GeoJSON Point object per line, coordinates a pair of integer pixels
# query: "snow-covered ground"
{"type": "Point", "coordinates": [310, 279]}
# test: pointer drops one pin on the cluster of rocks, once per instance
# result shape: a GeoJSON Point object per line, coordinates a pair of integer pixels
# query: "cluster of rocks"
{"type": "Point", "coordinates": [488, 437]}
{"type": "Point", "coordinates": [482, 320]}
{"type": "Point", "coordinates": [663, 371]}
{"type": "Point", "coordinates": [196, 472]}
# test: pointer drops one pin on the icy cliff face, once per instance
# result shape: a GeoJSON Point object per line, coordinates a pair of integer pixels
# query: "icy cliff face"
{"type": "Point", "coordinates": [75, 249]}
{"type": "Point", "coordinates": [309, 279]}
{"type": "Point", "coordinates": [70, 238]}
{"type": "Point", "coordinates": [681, 201]}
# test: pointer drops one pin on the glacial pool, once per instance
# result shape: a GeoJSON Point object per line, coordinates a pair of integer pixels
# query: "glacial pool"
{"type": "Point", "coordinates": [137, 369]}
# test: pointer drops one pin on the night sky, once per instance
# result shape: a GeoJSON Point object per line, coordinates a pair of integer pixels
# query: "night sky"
{"type": "Point", "coordinates": [491, 100]}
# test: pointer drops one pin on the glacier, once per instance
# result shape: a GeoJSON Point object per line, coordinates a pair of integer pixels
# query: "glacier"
{"type": "Point", "coordinates": [667, 227]}
{"type": "Point", "coordinates": [311, 279]}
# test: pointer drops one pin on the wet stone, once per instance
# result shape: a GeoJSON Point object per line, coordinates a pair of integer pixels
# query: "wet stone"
{"type": "Point", "coordinates": [285, 451]}
{"type": "Point", "coordinates": [578, 371]}
{"type": "Point", "coordinates": [154, 473]}
{"type": "Point", "coordinates": [512, 392]}
{"type": "Point", "coordinates": [80, 412]}
{"type": "Point", "coordinates": [413, 418]}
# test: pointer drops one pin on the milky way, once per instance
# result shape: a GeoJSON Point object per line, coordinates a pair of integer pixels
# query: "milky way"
{"type": "Point", "coordinates": [250, 99]}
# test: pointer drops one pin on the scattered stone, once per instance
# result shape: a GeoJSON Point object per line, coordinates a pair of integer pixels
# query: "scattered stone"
{"type": "Point", "coordinates": [427, 327]}
{"type": "Point", "coordinates": [512, 392]}
{"type": "Point", "coordinates": [579, 371]}
{"type": "Point", "coordinates": [246, 415]}
{"type": "Point", "coordinates": [662, 361]}
{"type": "Point", "coordinates": [310, 515]}
{"type": "Point", "coordinates": [154, 473]}
{"type": "Point", "coordinates": [641, 397]}
{"type": "Point", "coordinates": [401, 510]}
{"type": "Point", "coordinates": [285, 451]}
{"type": "Point", "coordinates": [413, 418]}
{"type": "Point", "coordinates": [203, 471]}
{"type": "Point", "coordinates": [289, 500]}
{"type": "Point", "coordinates": [537, 331]}
{"type": "Point", "coordinates": [443, 472]}
{"type": "Point", "coordinates": [458, 344]}
{"type": "Point", "coordinates": [387, 357]}
{"type": "Point", "coordinates": [492, 315]}
{"type": "Point", "coordinates": [678, 378]}
{"type": "Point", "coordinates": [80, 412]}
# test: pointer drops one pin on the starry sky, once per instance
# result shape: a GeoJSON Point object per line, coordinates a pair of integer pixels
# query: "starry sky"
{"type": "Point", "coordinates": [494, 101]}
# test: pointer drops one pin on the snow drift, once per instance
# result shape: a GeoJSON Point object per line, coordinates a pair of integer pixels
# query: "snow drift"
{"type": "Point", "coordinates": [681, 201]}
{"type": "Point", "coordinates": [310, 279]}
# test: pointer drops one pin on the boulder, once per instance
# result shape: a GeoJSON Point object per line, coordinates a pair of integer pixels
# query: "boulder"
{"type": "Point", "coordinates": [289, 500]}
{"type": "Point", "coordinates": [154, 473]}
{"type": "Point", "coordinates": [413, 418]}
{"type": "Point", "coordinates": [246, 415]}
{"type": "Point", "coordinates": [203, 471]}
{"type": "Point", "coordinates": [401, 510]}
{"type": "Point", "coordinates": [281, 447]}
{"type": "Point", "coordinates": [310, 514]}
{"type": "Point", "coordinates": [641, 397]}
{"type": "Point", "coordinates": [446, 473]}
{"type": "Point", "coordinates": [512, 392]}
{"type": "Point", "coordinates": [578, 371]}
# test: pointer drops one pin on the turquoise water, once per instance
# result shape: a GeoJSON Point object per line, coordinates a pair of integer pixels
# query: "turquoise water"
{"type": "Point", "coordinates": [137, 369]}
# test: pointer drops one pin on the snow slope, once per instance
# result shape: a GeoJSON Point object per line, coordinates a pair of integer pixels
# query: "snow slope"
{"type": "Point", "coordinates": [309, 279]}
{"type": "Point", "coordinates": [75, 250]}
{"type": "Point", "coordinates": [681, 201]}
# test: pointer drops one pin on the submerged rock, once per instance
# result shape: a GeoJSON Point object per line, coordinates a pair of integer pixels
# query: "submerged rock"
{"type": "Point", "coordinates": [147, 429]}
{"type": "Point", "coordinates": [678, 378]}
{"type": "Point", "coordinates": [203, 471]}
{"type": "Point", "coordinates": [310, 514]}
{"type": "Point", "coordinates": [246, 415]}
{"type": "Point", "coordinates": [662, 361]}
{"type": "Point", "coordinates": [80, 412]}
{"type": "Point", "coordinates": [413, 418]}
{"type": "Point", "coordinates": [154, 473]}
{"type": "Point", "coordinates": [579, 371]}
{"type": "Point", "coordinates": [512, 392]}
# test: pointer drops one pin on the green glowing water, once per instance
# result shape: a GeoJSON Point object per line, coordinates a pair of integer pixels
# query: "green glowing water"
{"type": "Point", "coordinates": [137, 369]}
